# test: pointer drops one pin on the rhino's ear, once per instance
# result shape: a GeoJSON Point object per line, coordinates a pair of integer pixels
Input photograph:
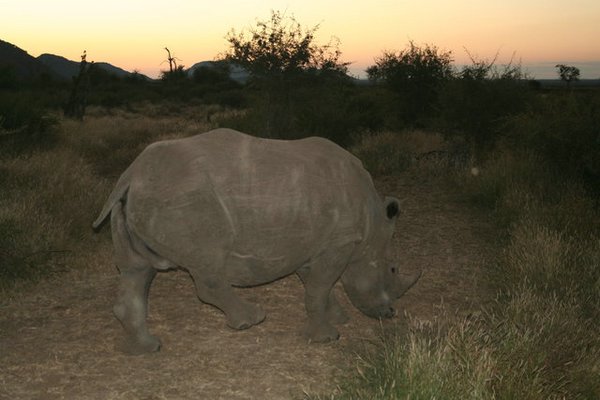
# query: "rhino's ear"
{"type": "Point", "coordinates": [392, 207]}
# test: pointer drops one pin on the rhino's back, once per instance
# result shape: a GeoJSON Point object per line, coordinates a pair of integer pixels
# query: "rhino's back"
{"type": "Point", "coordinates": [261, 199]}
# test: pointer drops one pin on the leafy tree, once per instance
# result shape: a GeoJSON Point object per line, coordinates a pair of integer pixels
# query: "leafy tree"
{"type": "Point", "coordinates": [568, 73]}
{"type": "Point", "coordinates": [280, 47]}
{"type": "Point", "coordinates": [283, 60]}
{"type": "Point", "coordinates": [416, 75]}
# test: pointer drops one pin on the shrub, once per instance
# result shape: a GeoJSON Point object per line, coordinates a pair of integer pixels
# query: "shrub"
{"type": "Point", "coordinates": [564, 128]}
{"type": "Point", "coordinates": [478, 100]}
{"type": "Point", "coordinates": [416, 76]}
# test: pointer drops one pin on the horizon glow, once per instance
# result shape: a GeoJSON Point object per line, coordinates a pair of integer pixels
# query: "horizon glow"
{"type": "Point", "coordinates": [132, 34]}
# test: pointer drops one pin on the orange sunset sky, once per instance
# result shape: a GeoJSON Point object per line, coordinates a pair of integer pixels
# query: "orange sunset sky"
{"type": "Point", "coordinates": [132, 34]}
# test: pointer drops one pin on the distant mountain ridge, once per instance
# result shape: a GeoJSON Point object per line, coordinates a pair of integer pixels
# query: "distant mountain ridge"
{"type": "Point", "coordinates": [26, 66]}
{"type": "Point", "coordinates": [236, 73]}
{"type": "Point", "coordinates": [20, 62]}
{"type": "Point", "coordinates": [67, 69]}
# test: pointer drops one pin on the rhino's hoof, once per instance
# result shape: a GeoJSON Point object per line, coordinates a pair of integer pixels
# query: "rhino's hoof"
{"type": "Point", "coordinates": [136, 346]}
{"type": "Point", "coordinates": [254, 316]}
{"type": "Point", "coordinates": [322, 333]}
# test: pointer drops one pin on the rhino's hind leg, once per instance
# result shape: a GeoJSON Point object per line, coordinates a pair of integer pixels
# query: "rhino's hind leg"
{"type": "Point", "coordinates": [212, 288]}
{"type": "Point", "coordinates": [136, 275]}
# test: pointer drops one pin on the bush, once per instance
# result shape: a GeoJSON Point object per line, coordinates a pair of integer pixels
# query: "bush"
{"type": "Point", "coordinates": [416, 76]}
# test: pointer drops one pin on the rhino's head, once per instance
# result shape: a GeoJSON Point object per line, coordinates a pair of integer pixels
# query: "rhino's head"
{"type": "Point", "coordinates": [371, 281]}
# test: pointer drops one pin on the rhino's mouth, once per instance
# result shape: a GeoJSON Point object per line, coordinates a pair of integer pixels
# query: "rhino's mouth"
{"type": "Point", "coordinates": [380, 308]}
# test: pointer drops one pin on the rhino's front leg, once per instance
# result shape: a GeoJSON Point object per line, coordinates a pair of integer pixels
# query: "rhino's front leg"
{"type": "Point", "coordinates": [319, 277]}
{"type": "Point", "coordinates": [335, 312]}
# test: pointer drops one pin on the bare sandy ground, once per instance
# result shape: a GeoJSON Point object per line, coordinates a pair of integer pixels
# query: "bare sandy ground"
{"type": "Point", "coordinates": [58, 339]}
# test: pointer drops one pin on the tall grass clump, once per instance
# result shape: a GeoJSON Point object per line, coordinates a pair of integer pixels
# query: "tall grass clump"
{"type": "Point", "coordinates": [433, 360]}
{"type": "Point", "coordinates": [47, 200]}
{"type": "Point", "coordinates": [388, 153]}
{"type": "Point", "coordinates": [548, 277]}
{"type": "Point", "coordinates": [383, 154]}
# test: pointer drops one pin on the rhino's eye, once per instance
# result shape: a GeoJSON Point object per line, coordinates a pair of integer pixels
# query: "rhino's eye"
{"type": "Point", "coordinates": [393, 270]}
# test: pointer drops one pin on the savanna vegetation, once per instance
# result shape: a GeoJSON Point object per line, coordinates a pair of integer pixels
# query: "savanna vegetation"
{"type": "Point", "coordinates": [536, 154]}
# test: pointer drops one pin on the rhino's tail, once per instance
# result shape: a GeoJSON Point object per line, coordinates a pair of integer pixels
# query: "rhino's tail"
{"type": "Point", "coordinates": [118, 193]}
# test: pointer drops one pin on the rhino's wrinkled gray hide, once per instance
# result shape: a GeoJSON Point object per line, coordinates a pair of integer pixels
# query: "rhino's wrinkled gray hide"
{"type": "Point", "coordinates": [235, 210]}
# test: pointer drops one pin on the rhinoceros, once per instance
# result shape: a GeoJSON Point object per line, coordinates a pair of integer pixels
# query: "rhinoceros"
{"type": "Point", "coordinates": [239, 211]}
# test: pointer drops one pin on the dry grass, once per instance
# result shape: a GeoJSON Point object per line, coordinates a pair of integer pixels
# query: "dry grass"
{"type": "Point", "coordinates": [424, 153]}
{"type": "Point", "coordinates": [45, 211]}
{"type": "Point", "coordinates": [539, 338]}
{"type": "Point", "coordinates": [58, 337]}
{"type": "Point", "coordinates": [50, 195]}
{"type": "Point", "coordinates": [441, 358]}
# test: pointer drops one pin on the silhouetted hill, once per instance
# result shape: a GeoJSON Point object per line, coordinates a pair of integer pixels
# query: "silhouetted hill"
{"type": "Point", "coordinates": [236, 73]}
{"type": "Point", "coordinates": [111, 69]}
{"type": "Point", "coordinates": [61, 66]}
{"type": "Point", "coordinates": [20, 63]}
{"type": "Point", "coordinates": [66, 69]}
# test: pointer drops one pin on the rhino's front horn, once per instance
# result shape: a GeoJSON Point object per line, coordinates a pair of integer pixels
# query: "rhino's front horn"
{"type": "Point", "coordinates": [406, 282]}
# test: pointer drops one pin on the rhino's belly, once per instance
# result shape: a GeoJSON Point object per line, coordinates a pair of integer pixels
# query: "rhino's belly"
{"type": "Point", "coordinates": [252, 270]}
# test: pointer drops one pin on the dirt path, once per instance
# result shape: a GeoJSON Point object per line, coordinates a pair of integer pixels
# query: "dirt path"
{"type": "Point", "coordinates": [57, 341]}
